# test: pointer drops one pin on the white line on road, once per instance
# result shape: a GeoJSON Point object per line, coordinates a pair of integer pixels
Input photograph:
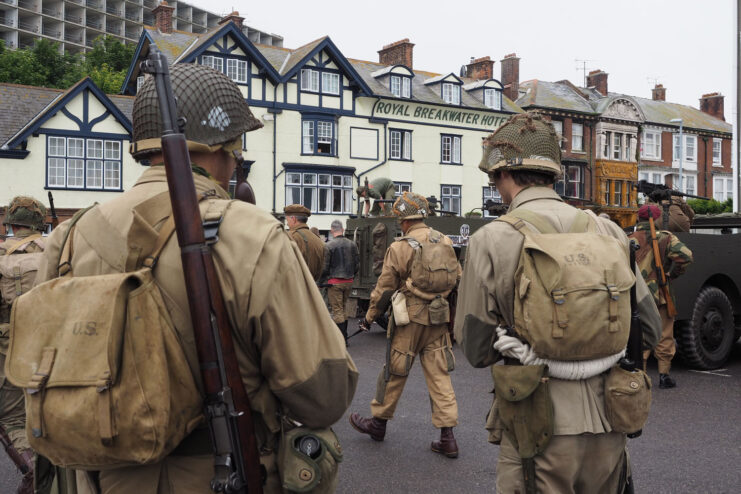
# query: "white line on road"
{"type": "Point", "coordinates": [716, 372]}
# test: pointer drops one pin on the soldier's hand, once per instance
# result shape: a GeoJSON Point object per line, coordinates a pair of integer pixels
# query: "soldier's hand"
{"type": "Point", "coordinates": [364, 325]}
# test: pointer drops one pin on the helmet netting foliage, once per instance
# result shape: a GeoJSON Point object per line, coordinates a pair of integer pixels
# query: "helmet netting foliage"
{"type": "Point", "coordinates": [25, 211]}
{"type": "Point", "coordinates": [212, 104]}
{"type": "Point", "coordinates": [410, 204]}
{"type": "Point", "coordinates": [523, 137]}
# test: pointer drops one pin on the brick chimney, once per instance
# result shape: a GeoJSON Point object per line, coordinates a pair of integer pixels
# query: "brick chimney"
{"type": "Point", "coordinates": [598, 80]}
{"type": "Point", "coordinates": [480, 68]}
{"type": "Point", "coordinates": [398, 53]}
{"type": "Point", "coordinates": [233, 17]}
{"type": "Point", "coordinates": [712, 104]}
{"type": "Point", "coordinates": [658, 93]}
{"type": "Point", "coordinates": [163, 17]}
{"type": "Point", "coordinates": [511, 76]}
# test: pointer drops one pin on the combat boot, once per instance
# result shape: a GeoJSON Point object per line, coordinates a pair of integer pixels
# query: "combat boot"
{"type": "Point", "coordinates": [375, 428]}
{"type": "Point", "coordinates": [447, 444]}
{"type": "Point", "coordinates": [26, 485]}
{"type": "Point", "coordinates": [665, 381]}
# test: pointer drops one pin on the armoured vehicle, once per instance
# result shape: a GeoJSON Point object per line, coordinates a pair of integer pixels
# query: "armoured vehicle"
{"type": "Point", "coordinates": [708, 295]}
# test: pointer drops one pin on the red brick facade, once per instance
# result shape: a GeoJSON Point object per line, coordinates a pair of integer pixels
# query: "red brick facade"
{"type": "Point", "coordinates": [398, 53]}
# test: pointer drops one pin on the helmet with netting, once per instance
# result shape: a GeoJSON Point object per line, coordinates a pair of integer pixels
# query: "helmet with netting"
{"type": "Point", "coordinates": [524, 142]}
{"type": "Point", "coordinates": [215, 111]}
{"type": "Point", "coordinates": [411, 206]}
{"type": "Point", "coordinates": [25, 211]}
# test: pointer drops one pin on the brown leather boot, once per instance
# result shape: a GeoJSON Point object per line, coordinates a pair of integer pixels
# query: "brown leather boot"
{"type": "Point", "coordinates": [375, 428]}
{"type": "Point", "coordinates": [446, 445]}
{"type": "Point", "coordinates": [26, 485]}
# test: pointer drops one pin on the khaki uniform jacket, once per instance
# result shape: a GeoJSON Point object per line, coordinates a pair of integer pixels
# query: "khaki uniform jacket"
{"type": "Point", "coordinates": [311, 248]}
{"type": "Point", "coordinates": [397, 265]}
{"type": "Point", "coordinates": [26, 247]}
{"type": "Point", "coordinates": [486, 299]}
{"type": "Point", "coordinates": [290, 354]}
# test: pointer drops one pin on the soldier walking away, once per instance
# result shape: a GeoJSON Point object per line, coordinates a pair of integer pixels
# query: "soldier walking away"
{"type": "Point", "coordinates": [421, 270]}
{"type": "Point", "coordinates": [310, 245]}
{"type": "Point", "coordinates": [293, 362]}
{"type": "Point", "coordinates": [674, 258]}
{"type": "Point", "coordinates": [20, 256]}
{"type": "Point", "coordinates": [380, 189]}
{"type": "Point", "coordinates": [341, 264]}
{"type": "Point", "coordinates": [531, 294]}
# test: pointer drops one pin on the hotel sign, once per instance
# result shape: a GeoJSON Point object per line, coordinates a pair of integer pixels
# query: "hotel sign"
{"type": "Point", "coordinates": [420, 113]}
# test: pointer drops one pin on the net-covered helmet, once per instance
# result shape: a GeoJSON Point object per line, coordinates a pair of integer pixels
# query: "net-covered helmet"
{"type": "Point", "coordinates": [411, 206]}
{"type": "Point", "coordinates": [25, 211]}
{"type": "Point", "coordinates": [215, 111]}
{"type": "Point", "coordinates": [525, 142]}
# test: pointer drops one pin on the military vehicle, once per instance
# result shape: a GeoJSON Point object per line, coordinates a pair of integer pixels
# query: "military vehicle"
{"type": "Point", "coordinates": [708, 295]}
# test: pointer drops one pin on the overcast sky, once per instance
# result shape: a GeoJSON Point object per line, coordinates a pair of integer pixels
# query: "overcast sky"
{"type": "Point", "coordinates": [686, 45]}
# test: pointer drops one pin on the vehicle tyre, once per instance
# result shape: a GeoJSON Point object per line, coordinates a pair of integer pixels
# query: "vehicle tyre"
{"type": "Point", "coordinates": [705, 342]}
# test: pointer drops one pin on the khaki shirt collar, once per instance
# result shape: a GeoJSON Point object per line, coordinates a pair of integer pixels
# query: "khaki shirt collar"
{"type": "Point", "coordinates": [534, 193]}
{"type": "Point", "coordinates": [300, 226]}
{"type": "Point", "coordinates": [416, 226]}
{"type": "Point", "coordinates": [156, 174]}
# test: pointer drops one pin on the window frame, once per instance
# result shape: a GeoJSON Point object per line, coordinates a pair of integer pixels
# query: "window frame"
{"type": "Point", "coordinates": [574, 134]}
{"type": "Point", "coordinates": [401, 187]}
{"type": "Point", "coordinates": [338, 185]}
{"type": "Point", "coordinates": [335, 75]}
{"type": "Point", "coordinates": [495, 103]}
{"type": "Point", "coordinates": [558, 126]}
{"type": "Point", "coordinates": [314, 138]}
{"type": "Point", "coordinates": [239, 66]}
{"type": "Point", "coordinates": [450, 197]}
{"type": "Point", "coordinates": [455, 93]}
{"type": "Point", "coordinates": [719, 160]}
{"type": "Point", "coordinates": [405, 145]}
{"type": "Point", "coordinates": [565, 182]}
{"type": "Point", "coordinates": [686, 157]}
{"type": "Point", "coordinates": [312, 77]}
{"type": "Point", "coordinates": [453, 139]}
{"type": "Point", "coordinates": [96, 155]}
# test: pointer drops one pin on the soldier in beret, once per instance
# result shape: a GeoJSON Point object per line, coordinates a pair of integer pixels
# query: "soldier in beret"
{"type": "Point", "coordinates": [311, 246]}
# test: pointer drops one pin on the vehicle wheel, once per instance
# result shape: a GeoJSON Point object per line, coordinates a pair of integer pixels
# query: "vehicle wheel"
{"type": "Point", "coordinates": [706, 340]}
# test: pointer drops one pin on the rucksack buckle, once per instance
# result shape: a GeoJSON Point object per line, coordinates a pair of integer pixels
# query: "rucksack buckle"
{"type": "Point", "coordinates": [211, 230]}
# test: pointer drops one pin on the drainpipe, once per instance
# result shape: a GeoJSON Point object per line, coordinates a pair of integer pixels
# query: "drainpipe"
{"type": "Point", "coordinates": [385, 157]}
{"type": "Point", "coordinates": [275, 131]}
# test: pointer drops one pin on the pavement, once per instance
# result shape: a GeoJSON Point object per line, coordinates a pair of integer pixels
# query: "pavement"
{"type": "Point", "coordinates": [691, 443]}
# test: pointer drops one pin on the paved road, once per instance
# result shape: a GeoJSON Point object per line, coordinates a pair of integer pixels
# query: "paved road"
{"type": "Point", "coordinates": [692, 442]}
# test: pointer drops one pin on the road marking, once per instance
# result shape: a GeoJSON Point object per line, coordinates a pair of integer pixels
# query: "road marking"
{"type": "Point", "coordinates": [716, 372]}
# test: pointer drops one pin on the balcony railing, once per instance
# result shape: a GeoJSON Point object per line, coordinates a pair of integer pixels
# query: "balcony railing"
{"type": "Point", "coordinates": [51, 32]}
{"type": "Point", "coordinates": [28, 5]}
{"type": "Point", "coordinates": [132, 16]}
{"type": "Point", "coordinates": [92, 4]}
{"type": "Point", "coordinates": [7, 22]}
{"type": "Point", "coordinates": [150, 4]}
{"type": "Point", "coordinates": [72, 18]}
{"type": "Point", "coordinates": [93, 24]}
{"type": "Point", "coordinates": [27, 26]}
{"type": "Point", "coordinates": [72, 38]}
{"type": "Point", "coordinates": [114, 11]}
{"type": "Point", "coordinates": [113, 30]}
{"type": "Point", "coordinates": [182, 18]}
{"type": "Point", "coordinates": [51, 12]}
{"type": "Point", "coordinates": [132, 34]}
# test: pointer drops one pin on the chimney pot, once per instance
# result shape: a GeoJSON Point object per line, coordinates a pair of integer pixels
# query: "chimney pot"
{"type": "Point", "coordinates": [233, 17]}
{"type": "Point", "coordinates": [398, 53]}
{"type": "Point", "coordinates": [511, 76]}
{"type": "Point", "coordinates": [712, 104]}
{"type": "Point", "coordinates": [480, 68]}
{"type": "Point", "coordinates": [163, 17]}
{"type": "Point", "coordinates": [658, 93]}
{"type": "Point", "coordinates": [598, 80]}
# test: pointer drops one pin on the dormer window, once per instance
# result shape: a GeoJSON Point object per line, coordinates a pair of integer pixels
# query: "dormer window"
{"type": "Point", "coordinates": [451, 94]}
{"type": "Point", "coordinates": [401, 87]}
{"type": "Point", "coordinates": [330, 83]}
{"type": "Point", "coordinates": [493, 99]}
{"type": "Point", "coordinates": [310, 80]}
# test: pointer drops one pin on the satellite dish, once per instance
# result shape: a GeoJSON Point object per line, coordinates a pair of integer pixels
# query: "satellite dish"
{"type": "Point", "coordinates": [464, 71]}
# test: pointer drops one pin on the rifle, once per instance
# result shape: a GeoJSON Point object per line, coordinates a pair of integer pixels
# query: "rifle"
{"type": "Point", "coordinates": [13, 453]}
{"type": "Point", "coordinates": [54, 219]}
{"type": "Point", "coordinates": [633, 359]}
{"type": "Point", "coordinates": [660, 274]}
{"type": "Point", "coordinates": [237, 466]}
{"type": "Point", "coordinates": [661, 192]}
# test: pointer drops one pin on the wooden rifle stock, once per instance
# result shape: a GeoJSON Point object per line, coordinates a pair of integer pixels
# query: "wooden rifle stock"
{"type": "Point", "coordinates": [53, 210]}
{"type": "Point", "coordinates": [659, 263]}
{"type": "Point", "coordinates": [13, 454]}
{"type": "Point", "coordinates": [227, 407]}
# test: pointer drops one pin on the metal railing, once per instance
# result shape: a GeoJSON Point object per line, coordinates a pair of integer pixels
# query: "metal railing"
{"type": "Point", "coordinates": [52, 33]}
{"type": "Point", "coordinates": [28, 27]}
{"type": "Point", "coordinates": [93, 24]}
{"type": "Point", "coordinates": [72, 18]}
{"type": "Point", "coordinates": [114, 11]}
{"type": "Point", "coordinates": [7, 22]}
{"type": "Point", "coordinates": [113, 29]}
{"type": "Point", "coordinates": [72, 39]}
{"type": "Point", "coordinates": [51, 12]}
{"type": "Point", "coordinates": [92, 4]}
{"type": "Point", "coordinates": [132, 16]}
{"type": "Point", "coordinates": [28, 5]}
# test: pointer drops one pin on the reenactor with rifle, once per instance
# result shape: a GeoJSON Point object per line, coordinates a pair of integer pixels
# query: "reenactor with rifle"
{"type": "Point", "coordinates": [20, 256]}
{"type": "Point", "coordinates": [421, 270]}
{"type": "Point", "coordinates": [546, 288]}
{"type": "Point", "coordinates": [265, 363]}
{"type": "Point", "coordinates": [677, 214]}
{"type": "Point", "coordinates": [661, 257]}
{"type": "Point", "coordinates": [383, 191]}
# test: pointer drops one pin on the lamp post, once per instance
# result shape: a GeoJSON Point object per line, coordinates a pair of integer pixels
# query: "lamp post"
{"type": "Point", "coordinates": [681, 151]}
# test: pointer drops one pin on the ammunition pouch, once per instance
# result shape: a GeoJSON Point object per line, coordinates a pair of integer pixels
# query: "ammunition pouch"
{"type": "Point", "coordinates": [439, 311]}
{"type": "Point", "coordinates": [308, 460]}
{"type": "Point", "coordinates": [400, 362]}
{"type": "Point", "coordinates": [399, 305]}
{"type": "Point", "coordinates": [524, 406]}
{"type": "Point", "coordinates": [627, 399]}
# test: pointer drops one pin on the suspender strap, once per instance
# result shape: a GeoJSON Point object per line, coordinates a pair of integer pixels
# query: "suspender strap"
{"type": "Point", "coordinates": [516, 217]}
{"type": "Point", "coordinates": [165, 233]}
{"type": "Point", "coordinates": [63, 266]}
{"type": "Point", "coordinates": [306, 240]}
{"type": "Point", "coordinates": [22, 242]}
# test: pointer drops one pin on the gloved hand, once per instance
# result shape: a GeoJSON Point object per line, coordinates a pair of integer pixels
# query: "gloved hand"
{"type": "Point", "coordinates": [364, 325]}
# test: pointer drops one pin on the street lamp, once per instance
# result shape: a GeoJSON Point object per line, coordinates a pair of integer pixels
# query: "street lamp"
{"type": "Point", "coordinates": [681, 151]}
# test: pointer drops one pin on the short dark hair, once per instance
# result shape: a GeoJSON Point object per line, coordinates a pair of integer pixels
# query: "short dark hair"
{"type": "Point", "coordinates": [301, 219]}
{"type": "Point", "coordinates": [525, 178]}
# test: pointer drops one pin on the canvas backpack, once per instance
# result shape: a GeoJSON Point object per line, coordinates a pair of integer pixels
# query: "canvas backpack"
{"type": "Point", "coordinates": [105, 378]}
{"type": "Point", "coordinates": [434, 268]}
{"type": "Point", "coordinates": [18, 269]}
{"type": "Point", "coordinates": [572, 289]}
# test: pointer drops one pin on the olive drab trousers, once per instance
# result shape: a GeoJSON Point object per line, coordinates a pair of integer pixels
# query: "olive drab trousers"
{"type": "Point", "coordinates": [665, 348]}
{"type": "Point", "coordinates": [338, 295]}
{"type": "Point", "coordinates": [432, 344]}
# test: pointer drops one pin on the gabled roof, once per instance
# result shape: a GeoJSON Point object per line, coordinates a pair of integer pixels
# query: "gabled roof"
{"type": "Point", "coordinates": [490, 83]}
{"type": "Point", "coordinates": [390, 68]}
{"type": "Point", "coordinates": [661, 112]}
{"type": "Point", "coordinates": [19, 105]}
{"type": "Point", "coordinates": [58, 103]}
{"type": "Point", "coordinates": [440, 78]}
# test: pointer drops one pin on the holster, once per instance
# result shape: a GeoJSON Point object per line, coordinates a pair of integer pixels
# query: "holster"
{"type": "Point", "coordinates": [627, 399]}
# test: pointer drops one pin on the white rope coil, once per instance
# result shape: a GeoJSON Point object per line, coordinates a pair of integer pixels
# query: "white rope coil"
{"type": "Point", "coordinates": [512, 347]}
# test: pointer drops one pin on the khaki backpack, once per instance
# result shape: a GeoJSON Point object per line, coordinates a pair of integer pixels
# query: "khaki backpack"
{"type": "Point", "coordinates": [18, 269]}
{"type": "Point", "coordinates": [434, 267]}
{"type": "Point", "coordinates": [572, 289]}
{"type": "Point", "coordinates": [105, 379]}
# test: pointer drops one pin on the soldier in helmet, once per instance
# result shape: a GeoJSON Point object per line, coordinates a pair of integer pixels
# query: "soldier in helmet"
{"type": "Point", "coordinates": [380, 189]}
{"type": "Point", "coordinates": [294, 364]}
{"type": "Point", "coordinates": [309, 244]}
{"type": "Point", "coordinates": [20, 256]}
{"type": "Point", "coordinates": [419, 324]}
{"type": "Point", "coordinates": [565, 444]}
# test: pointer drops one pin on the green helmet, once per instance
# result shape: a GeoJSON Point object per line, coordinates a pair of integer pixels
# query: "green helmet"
{"type": "Point", "coordinates": [524, 142]}
{"type": "Point", "coordinates": [215, 111]}
{"type": "Point", "coordinates": [411, 206]}
{"type": "Point", "coordinates": [25, 211]}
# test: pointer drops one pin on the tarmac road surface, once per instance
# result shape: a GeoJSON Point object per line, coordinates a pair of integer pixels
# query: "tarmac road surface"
{"type": "Point", "coordinates": [691, 443]}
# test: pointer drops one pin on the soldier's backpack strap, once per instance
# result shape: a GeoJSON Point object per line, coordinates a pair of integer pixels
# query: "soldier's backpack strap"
{"type": "Point", "coordinates": [518, 218]}
{"type": "Point", "coordinates": [63, 265]}
{"type": "Point", "coordinates": [22, 242]}
{"type": "Point", "coordinates": [306, 240]}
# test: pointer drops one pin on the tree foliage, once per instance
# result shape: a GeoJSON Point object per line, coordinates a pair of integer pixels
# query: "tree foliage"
{"type": "Point", "coordinates": [701, 206]}
{"type": "Point", "coordinates": [44, 65]}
